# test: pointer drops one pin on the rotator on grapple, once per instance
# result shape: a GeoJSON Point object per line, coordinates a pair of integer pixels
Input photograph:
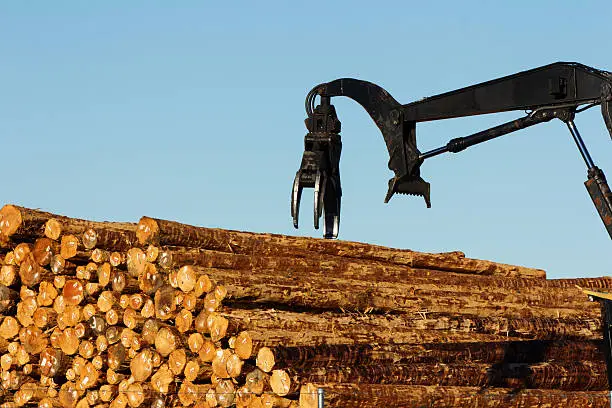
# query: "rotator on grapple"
{"type": "Point", "coordinates": [558, 90]}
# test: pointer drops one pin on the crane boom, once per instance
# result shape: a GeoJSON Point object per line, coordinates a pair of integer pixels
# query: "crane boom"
{"type": "Point", "coordinates": [555, 91]}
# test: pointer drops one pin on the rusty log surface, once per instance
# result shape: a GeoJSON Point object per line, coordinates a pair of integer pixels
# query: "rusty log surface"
{"type": "Point", "coordinates": [118, 314]}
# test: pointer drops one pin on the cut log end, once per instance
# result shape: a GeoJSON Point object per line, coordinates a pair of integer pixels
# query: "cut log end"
{"type": "Point", "coordinates": [73, 292]}
{"type": "Point", "coordinates": [265, 359]}
{"type": "Point", "coordinates": [152, 253]}
{"type": "Point", "coordinates": [136, 261]}
{"type": "Point", "coordinates": [69, 246]}
{"type": "Point", "coordinates": [141, 366]}
{"type": "Point", "coordinates": [53, 229]}
{"type": "Point", "coordinates": [10, 220]}
{"type": "Point", "coordinates": [43, 250]}
{"type": "Point", "coordinates": [280, 382]}
{"type": "Point", "coordinates": [234, 365]}
{"type": "Point", "coordinates": [166, 341]}
{"type": "Point", "coordinates": [219, 363]}
{"type": "Point", "coordinates": [147, 231]}
{"type": "Point", "coordinates": [177, 361]}
{"type": "Point", "coordinates": [90, 238]}
{"type": "Point", "coordinates": [243, 345]}
{"type": "Point", "coordinates": [308, 396]}
{"type": "Point", "coordinates": [186, 278]}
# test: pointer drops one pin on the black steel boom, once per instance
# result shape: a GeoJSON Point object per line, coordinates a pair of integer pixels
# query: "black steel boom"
{"type": "Point", "coordinates": [558, 90]}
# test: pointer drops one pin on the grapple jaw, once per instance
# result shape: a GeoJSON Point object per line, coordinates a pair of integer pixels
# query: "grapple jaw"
{"type": "Point", "coordinates": [405, 161]}
{"type": "Point", "coordinates": [410, 185]}
{"type": "Point", "coordinates": [320, 169]}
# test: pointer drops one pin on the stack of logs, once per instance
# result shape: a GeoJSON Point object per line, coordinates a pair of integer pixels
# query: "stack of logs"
{"type": "Point", "coordinates": [161, 314]}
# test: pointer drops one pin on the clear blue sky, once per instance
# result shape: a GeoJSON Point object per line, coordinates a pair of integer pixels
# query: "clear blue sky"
{"type": "Point", "coordinates": [193, 111]}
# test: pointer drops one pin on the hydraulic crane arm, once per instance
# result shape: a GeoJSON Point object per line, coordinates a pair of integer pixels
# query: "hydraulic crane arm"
{"type": "Point", "coordinates": [558, 90]}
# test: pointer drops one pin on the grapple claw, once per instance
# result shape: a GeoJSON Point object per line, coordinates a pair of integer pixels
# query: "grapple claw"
{"type": "Point", "coordinates": [296, 197]}
{"type": "Point", "coordinates": [319, 194]}
{"type": "Point", "coordinates": [320, 169]}
{"type": "Point", "coordinates": [332, 208]}
{"type": "Point", "coordinates": [411, 185]}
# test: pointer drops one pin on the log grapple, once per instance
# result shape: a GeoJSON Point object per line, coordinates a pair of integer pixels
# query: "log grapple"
{"type": "Point", "coordinates": [559, 90]}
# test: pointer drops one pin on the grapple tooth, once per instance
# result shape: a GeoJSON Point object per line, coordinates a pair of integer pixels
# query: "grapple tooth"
{"type": "Point", "coordinates": [409, 185]}
{"type": "Point", "coordinates": [296, 197]}
{"type": "Point", "coordinates": [332, 204]}
{"type": "Point", "coordinates": [332, 225]}
{"type": "Point", "coordinates": [319, 196]}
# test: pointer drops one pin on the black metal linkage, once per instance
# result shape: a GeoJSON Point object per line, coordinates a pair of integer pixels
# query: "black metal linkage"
{"type": "Point", "coordinates": [461, 143]}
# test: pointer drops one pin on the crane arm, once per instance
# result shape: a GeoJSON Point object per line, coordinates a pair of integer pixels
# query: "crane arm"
{"type": "Point", "coordinates": [558, 90]}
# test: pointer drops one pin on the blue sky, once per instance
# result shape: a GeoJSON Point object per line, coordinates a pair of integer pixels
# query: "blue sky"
{"type": "Point", "coordinates": [193, 111]}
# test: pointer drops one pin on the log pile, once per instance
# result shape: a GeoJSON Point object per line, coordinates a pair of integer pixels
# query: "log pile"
{"type": "Point", "coordinates": [162, 314]}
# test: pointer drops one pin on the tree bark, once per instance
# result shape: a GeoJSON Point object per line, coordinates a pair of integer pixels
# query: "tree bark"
{"type": "Point", "coordinates": [24, 225]}
{"type": "Point", "coordinates": [19, 223]}
{"type": "Point", "coordinates": [422, 284]}
{"type": "Point", "coordinates": [338, 267]}
{"type": "Point", "coordinates": [406, 396]}
{"type": "Point", "coordinates": [333, 328]}
{"type": "Point", "coordinates": [162, 232]}
{"type": "Point", "coordinates": [318, 292]}
{"type": "Point", "coordinates": [308, 358]}
{"type": "Point", "coordinates": [572, 376]}
{"type": "Point", "coordinates": [314, 291]}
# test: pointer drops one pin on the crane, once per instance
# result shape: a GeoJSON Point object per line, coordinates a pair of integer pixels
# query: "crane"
{"type": "Point", "coordinates": [555, 91]}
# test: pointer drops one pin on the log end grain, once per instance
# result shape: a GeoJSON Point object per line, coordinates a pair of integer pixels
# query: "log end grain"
{"type": "Point", "coordinates": [147, 231]}
{"type": "Point", "coordinates": [243, 345]}
{"type": "Point", "coordinates": [308, 396]}
{"type": "Point", "coordinates": [265, 359]}
{"type": "Point", "coordinates": [10, 220]}
{"type": "Point", "coordinates": [280, 382]}
{"type": "Point", "coordinates": [53, 229]}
